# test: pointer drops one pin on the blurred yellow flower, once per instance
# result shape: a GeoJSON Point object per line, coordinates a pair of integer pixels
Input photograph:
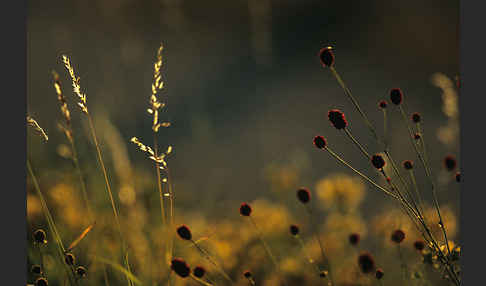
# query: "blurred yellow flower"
{"type": "Point", "coordinates": [340, 191]}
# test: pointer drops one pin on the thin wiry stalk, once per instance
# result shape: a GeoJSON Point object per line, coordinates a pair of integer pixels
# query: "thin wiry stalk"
{"type": "Point", "coordinates": [202, 282]}
{"type": "Point", "coordinates": [361, 148]}
{"type": "Point", "coordinates": [267, 249]}
{"type": "Point", "coordinates": [414, 182]}
{"type": "Point", "coordinates": [385, 128]}
{"type": "Point", "coordinates": [321, 247]}
{"type": "Point", "coordinates": [207, 256]}
{"type": "Point", "coordinates": [429, 176]}
{"type": "Point", "coordinates": [307, 256]}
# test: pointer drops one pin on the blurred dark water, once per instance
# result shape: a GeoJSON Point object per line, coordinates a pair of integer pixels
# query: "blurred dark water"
{"type": "Point", "coordinates": [243, 81]}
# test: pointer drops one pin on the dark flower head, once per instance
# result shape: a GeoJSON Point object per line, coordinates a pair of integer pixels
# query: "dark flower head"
{"type": "Point", "coordinates": [184, 232]}
{"type": "Point", "coordinates": [337, 119]}
{"type": "Point", "coordinates": [379, 273]}
{"type": "Point", "coordinates": [41, 281]}
{"type": "Point", "coordinates": [180, 267]}
{"type": "Point", "coordinates": [320, 142]}
{"type": "Point", "coordinates": [81, 271]}
{"type": "Point", "coordinates": [416, 136]}
{"type": "Point", "coordinates": [450, 162]}
{"type": "Point", "coordinates": [398, 236]}
{"type": "Point", "coordinates": [199, 271]}
{"type": "Point", "coordinates": [247, 274]}
{"type": "Point", "coordinates": [396, 96]}
{"type": "Point", "coordinates": [40, 236]}
{"type": "Point", "coordinates": [416, 117]}
{"type": "Point", "coordinates": [378, 161]}
{"type": "Point", "coordinates": [36, 269]}
{"type": "Point", "coordinates": [354, 238]}
{"type": "Point", "coordinates": [326, 56]}
{"type": "Point", "coordinates": [458, 177]}
{"type": "Point", "coordinates": [69, 258]}
{"type": "Point", "coordinates": [294, 229]}
{"type": "Point", "coordinates": [366, 262]}
{"type": "Point", "coordinates": [408, 164]}
{"type": "Point", "coordinates": [303, 195]}
{"type": "Point", "coordinates": [323, 273]}
{"type": "Point", "coordinates": [419, 245]}
{"type": "Point", "coordinates": [245, 209]}
{"type": "Point", "coordinates": [383, 104]}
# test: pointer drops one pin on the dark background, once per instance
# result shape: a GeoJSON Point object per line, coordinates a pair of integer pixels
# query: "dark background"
{"type": "Point", "coordinates": [243, 82]}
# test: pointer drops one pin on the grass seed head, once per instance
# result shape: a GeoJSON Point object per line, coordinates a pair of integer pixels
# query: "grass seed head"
{"type": "Point", "coordinates": [184, 232]}
{"type": "Point", "coordinates": [326, 56]}
{"type": "Point", "coordinates": [180, 267]}
{"type": "Point", "coordinates": [396, 96]}
{"type": "Point", "coordinates": [303, 195]}
{"type": "Point", "coordinates": [337, 118]}
{"type": "Point", "coordinates": [320, 142]}
{"type": "Point", "coordinates": [245, 209]}
{"type": "Point", "coordinates": [398, 236]}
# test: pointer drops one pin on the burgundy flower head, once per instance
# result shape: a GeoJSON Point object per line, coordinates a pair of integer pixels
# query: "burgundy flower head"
{"type": "Point", "coordinates": [294, 230]}
{"type": "Point", "coordinates": [379, 273]}
{"type": "Point", "coordinates": [180, 267]}
{"type": "Point", "coordinates": [450, 162]}
{"type": "Point", "coordinates": [458, 177]}
{"type": "Point", "coordinates": [398, 236]}
{"type": "Point", "coordinates": [366, 262]}
{"type": "Point", "coordinates": [354, 238]}
{"type": "Point", "coordinates": [396, 96]}
{"type": "Point", "coordinates": [320, 142]}
{"type": "Point", "coordinates": [416, 118]}
{"type": "Point", "coordinates": [419, 245]}
{"type": "Point", "coordinates": [378, 161]}
{"type": "Point", "coordinates": [337, 119]}
{"type": "Point", "coordinates": [326, 56]}
{"type": "Point", "coordinates": [184, 232]}
{"type": "Point", "coordinates": [303, 195]}
{"type": "Point", "coordinates": [199, 271]}
{"type": "Point", "coordinates": [40, 236]}
{"type": "Point", "coordinates": [245, 209]}
{"type": "Point", "coordinates": [383, 104]}
{"type": "Point", "coordinates": [408, 164]}
{"type": "Point", "coordinates": [41, 281]}
{"type": "Point", "coordinates": [247, 274]}
{"type": "Point", "coordinates": [416, 136]}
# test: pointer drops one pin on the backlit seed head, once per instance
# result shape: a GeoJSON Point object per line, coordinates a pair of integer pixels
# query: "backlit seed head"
{"type": "Point", "coordinates": [40, 236]}
{"type": "Point", "coordinates": [458, 177]}
{"type": "Point", "coordinates": [379, 273]}
{"type": "Point", "coordinates": [36, 269]}
{"type": "Point", "coordinates": [326, 56]}
{"type": "Point", "coordinates": [450, 162]}
{"type": "Point", "coordinates": [294, 230]}
{"type": "Point", "coordinates": [303, 195]}
{"type": "Point", "coordinates": [378, 161]}
{"type": "Point", "coordinates": [245, 209]}
{"type": "Point", "coordinates": [382, 104]}
{"type": "Point", "coordinates": [366, 262]}
{"type": "Point", "coordinates": [419, 245]}
{"type": "Point", "coordinates": [396, 96]}
{"type": "Point", "coordinates": [69, 258]}
{"type": "Point", "coordinates": [337, 118]}
{"type": "Point", "coordinates": [416, 117]}
{"type": "Point", "coordinates": [408, 164]}
{"type": "Point", "coordinates": [247, 274]}
{"type": "Point", "coordinates": [320, 142]}
{"type": "Point", "coordinates": [41, 281]}
{"type": "Point", "coordinates": [199, 271]}
{"type": "Point", "coordinates": [180, 267]}
{"type": "Point", "coordinates": [398, 236]}
{"type": "Point", "coordinates": [354, 238]}
{"type": "Point", "coordinates": [81, 271]}
{"type": "Point", "coordinates": [184, 232]}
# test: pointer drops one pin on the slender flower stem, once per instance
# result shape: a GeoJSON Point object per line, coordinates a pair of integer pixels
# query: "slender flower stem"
{"type": "Point", "coordinates": [200, 281]}
{"type": "Point", "coordinates": [361, 148]}
{"type": "Point", "coordinates": [267, 249]}
{"type": "Point", "coordinates": [307, 256]}
{"type": "Point", "coordinates": [207, 256]}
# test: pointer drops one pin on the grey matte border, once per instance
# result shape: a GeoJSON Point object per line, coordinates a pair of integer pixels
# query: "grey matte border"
{"type": "Point", "coordinates": [472, 107]}
{"type": "Point", "coordinates": [13, 262]}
